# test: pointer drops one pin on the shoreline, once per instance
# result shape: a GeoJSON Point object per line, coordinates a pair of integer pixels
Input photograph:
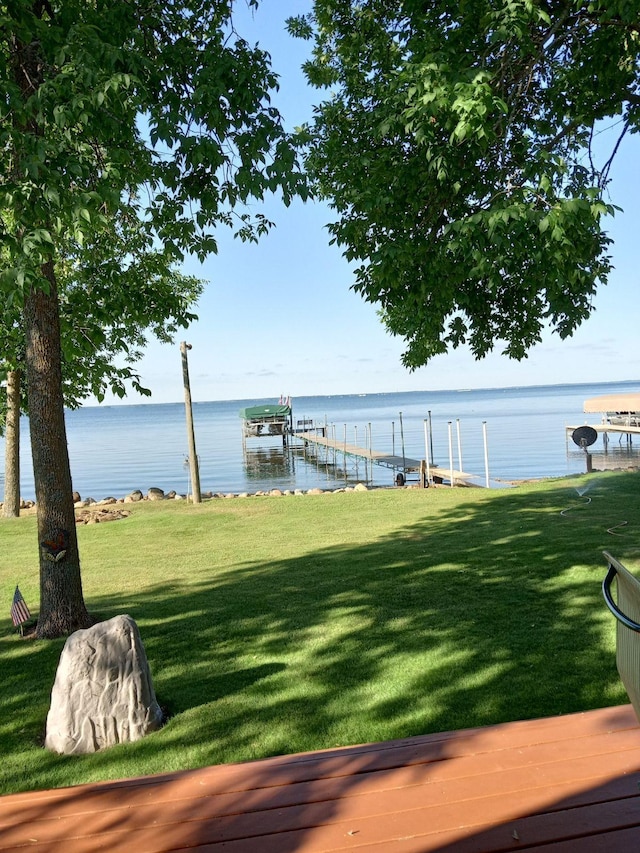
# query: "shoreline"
{"type": "Point", "coordinates": [156, 494]}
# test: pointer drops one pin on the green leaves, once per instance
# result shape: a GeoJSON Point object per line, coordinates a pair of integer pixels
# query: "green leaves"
{"type": "Point", "coordinates": [129, 134]}
{"type": "Point", "coordinates": [166, 108]}
{"type": "Point", "coordinates": [455, 152]}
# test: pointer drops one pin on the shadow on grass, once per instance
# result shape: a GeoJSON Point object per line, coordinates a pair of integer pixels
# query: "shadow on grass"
{"type": "Point", "coordinates": [488, 612]}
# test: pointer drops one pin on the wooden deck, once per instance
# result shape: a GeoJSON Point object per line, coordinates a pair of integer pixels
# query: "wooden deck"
{"type": "Point", "coordinates": [569, 783]}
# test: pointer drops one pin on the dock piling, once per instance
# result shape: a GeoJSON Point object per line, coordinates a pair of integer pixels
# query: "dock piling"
{"type": "Point", "coordinates": [486, 454]}
{"type": "Point", "coordinates": [426, 450]}
{"type": "Point", "coordinates": [404, 458]}
{"type": "Point", "coordinates": [450, 454]}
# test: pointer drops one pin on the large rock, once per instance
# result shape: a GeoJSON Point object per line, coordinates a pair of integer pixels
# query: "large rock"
{"type": "Point", "coordinates": [103, 693]}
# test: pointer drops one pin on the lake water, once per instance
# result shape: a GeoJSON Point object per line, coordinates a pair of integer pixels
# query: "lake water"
{"type": "Point", "coordinates": [116, 449]}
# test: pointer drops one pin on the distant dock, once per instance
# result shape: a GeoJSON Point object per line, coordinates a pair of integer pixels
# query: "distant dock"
{"type": "Point", "coordinates": [620, 416]}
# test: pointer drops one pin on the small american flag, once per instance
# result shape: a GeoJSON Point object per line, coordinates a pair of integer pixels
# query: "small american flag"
{"type": "Point", "coordinates": [19, 610]}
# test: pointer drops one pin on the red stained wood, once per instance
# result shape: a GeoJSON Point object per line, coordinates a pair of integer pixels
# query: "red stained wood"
{"type": "Point", "coordinates": [570, 783]}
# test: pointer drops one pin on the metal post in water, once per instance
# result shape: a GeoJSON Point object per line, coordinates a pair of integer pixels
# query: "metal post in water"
{"type": "Point", "coordinates": [344, 452]}
{"type": "Point", "coordinates": [459, 445]}
{"type": "Point", "coordinates": [430, 435]}
{"type": "Point", "coordinates": [486, 454]}
{"type": "Point", "coordinates": [426, 451]}
{"type": "Point", "coordinates": [357, 458]}
{"type": "Point", "coordinates": [193, 459]}
{"type": "Point", "coordinates": [450, 455]}
{"type": "Point", "coordinates": [404, 461]}
{"type": "Point", "coordinates": [288, 431]}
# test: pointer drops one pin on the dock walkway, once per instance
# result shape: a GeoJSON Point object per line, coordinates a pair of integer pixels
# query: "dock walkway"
{"type": "Point", "coordinates": [568, 784]}
{"type": "Point", "coordinates": [397, 463]}
{"type": "Point", "coordinates": [605, 429]}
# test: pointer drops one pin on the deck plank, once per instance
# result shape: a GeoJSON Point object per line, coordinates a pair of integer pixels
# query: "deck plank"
{"type": "Point", "coordinates": [522, 785]}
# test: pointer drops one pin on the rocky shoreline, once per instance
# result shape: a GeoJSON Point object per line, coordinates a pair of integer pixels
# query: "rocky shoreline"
{"type": "Point", "coordinates": [156, 494]}
{"type": "Point", "coordinates": [91, 511]}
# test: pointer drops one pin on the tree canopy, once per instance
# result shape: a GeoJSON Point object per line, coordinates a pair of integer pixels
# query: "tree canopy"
{"type": "Point", "coordinates": [155, 110]}
{"type": "Point", "coordinates": [457, 147]}
{"type": "Point", "coordinates": [151, 121]}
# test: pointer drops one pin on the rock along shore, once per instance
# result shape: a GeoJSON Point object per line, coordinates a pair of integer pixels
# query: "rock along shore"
{"type": "Point", "coordinates": [97, 511]}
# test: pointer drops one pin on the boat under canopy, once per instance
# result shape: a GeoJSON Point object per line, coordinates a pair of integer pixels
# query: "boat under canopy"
{"type": "Point", "coordinates": [267, 420]}
{"type": "Point", "coordinates": [254, 413]}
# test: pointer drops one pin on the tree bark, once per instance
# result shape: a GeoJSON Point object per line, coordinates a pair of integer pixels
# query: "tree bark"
{"type": "Point", "coordinates": [62, 607]}
{"type": "Point", "coordinates": [11, 503]}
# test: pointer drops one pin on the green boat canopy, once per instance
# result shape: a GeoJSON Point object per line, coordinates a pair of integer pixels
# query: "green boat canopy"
{"type": "Point", "coordinates": [253, 413]}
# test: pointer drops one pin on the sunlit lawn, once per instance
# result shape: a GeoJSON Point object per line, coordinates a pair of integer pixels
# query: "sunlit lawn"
{"type": "Point", "coordinates": [278, 625]}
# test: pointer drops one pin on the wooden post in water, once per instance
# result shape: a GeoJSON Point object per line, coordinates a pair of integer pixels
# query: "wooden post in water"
{"type": "Point", "coordinates": [193, 459]}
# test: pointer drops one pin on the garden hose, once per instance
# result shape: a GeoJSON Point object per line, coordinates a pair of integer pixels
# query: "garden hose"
{"type": "Point", "coordinates": [587, 499]}
{"type": "Point", "coordinates": [569, 508]}
{"type": "Point", "coordinates": [611, 530]}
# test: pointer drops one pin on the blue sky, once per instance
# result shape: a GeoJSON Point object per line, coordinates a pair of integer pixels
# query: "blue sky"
{"type": "Point", "coordinates": [280, 317]}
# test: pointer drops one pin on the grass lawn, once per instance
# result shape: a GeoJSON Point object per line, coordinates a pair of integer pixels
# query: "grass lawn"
{"type": "Point", "coordinates": [278, 625]}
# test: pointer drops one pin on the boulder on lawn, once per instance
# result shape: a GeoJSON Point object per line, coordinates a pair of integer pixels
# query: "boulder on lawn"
{"type": "Point", "coordinates": [103, 693]}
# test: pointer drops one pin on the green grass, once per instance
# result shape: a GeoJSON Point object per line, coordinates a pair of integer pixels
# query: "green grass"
{"type": "Point", "coordinates": [278, 625]}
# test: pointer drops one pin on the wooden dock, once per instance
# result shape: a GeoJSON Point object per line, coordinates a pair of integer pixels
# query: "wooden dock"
{"type": "Point", "coordinates": [398, 463]}
{"type": "Point", "coordinates": [568, 784]}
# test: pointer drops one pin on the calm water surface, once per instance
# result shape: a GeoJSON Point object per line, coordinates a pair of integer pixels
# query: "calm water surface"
{"type": "Point", "coordinates": [115, 449]}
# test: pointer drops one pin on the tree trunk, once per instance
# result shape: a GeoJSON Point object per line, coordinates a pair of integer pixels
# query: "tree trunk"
{"type": "Point", "coordinates": [62, 607]}
{"type": "Point", "coordinates": [11, 504]}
